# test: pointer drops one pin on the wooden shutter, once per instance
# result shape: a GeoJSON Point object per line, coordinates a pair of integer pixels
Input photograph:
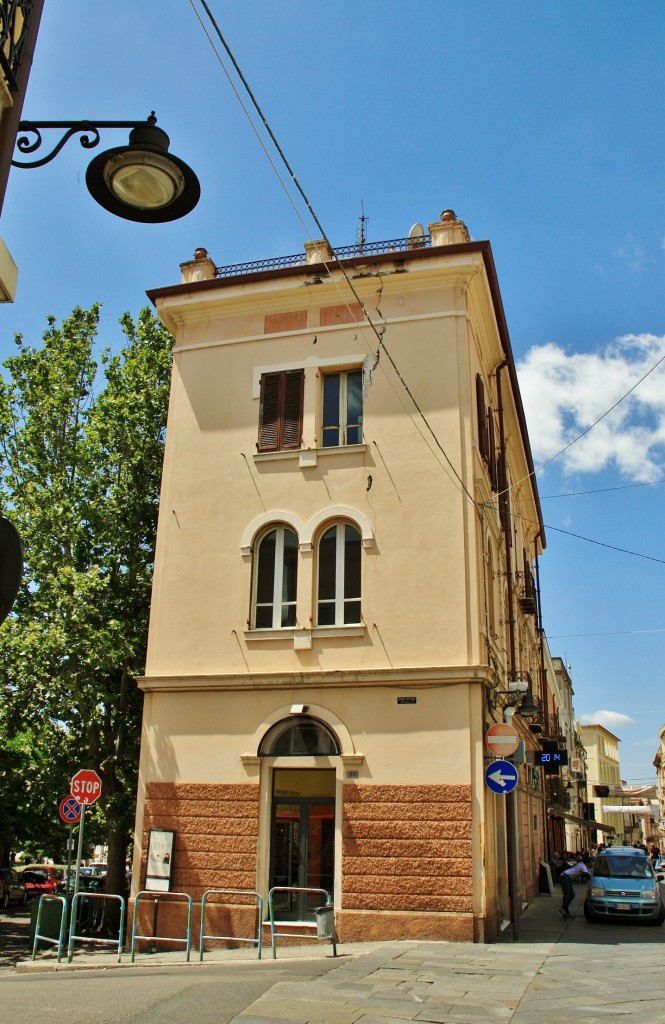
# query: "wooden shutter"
{"type": "Point", "coordinates": [491, 442]}
{"type": "Point", "coordinates": [269, 413]}
{"type": "Point", "coordinates": [504, 497]}
{"type": "Point", "coordinates": [280, 416]}
{"type": "Point", "coordinates": [482, 418]}
{"type": "Point", "coordinates": [292, 408]}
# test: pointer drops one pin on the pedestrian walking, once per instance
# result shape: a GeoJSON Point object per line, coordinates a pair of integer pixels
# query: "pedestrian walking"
{"type": "Point", "coordinates": [578, 870]}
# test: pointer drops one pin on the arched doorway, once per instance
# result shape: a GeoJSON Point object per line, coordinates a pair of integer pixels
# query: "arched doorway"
{"type": "Point", "coordinates": [302, 817]}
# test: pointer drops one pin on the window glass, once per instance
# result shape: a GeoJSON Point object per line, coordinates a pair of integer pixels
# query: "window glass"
{"type": "Point", "coordinates": [299, 736]}
{"type": "Point", "coordinates": [342, 414]}
{"type": "Point", "coordinates": [276, 579]}
{"type": "Point", "coordinates": [331, 423]}
{"type": "Point", "coordinates": [289, 578]}
{"type": "Point", "coordinates": [339, 554]}
{"type": "Point", "coordinates": [354, 407]}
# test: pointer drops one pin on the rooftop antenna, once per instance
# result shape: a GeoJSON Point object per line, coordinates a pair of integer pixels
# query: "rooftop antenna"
{"type": "Point", "coordinates": [361, 229]}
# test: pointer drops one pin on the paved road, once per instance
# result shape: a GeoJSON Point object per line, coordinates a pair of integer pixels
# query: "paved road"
{"type": "Point", "coordinates": [559, 972]}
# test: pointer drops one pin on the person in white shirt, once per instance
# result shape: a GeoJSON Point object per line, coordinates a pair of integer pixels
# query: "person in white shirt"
{"type": "Point", "coordinates": [578, 870]}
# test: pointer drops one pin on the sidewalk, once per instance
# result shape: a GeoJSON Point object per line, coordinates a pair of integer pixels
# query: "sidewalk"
{"type": "Point", "coordinates": [541, 922]}
{"type": "Point", "coordinates": [558, 972]}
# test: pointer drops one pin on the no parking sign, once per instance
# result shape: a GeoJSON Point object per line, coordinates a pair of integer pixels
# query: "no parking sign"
{"type": "Point", "coordinates": [70, 810]}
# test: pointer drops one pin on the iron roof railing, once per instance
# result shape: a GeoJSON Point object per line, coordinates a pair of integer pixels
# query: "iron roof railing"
{"type": "Point", "coordinates": [346, 252]}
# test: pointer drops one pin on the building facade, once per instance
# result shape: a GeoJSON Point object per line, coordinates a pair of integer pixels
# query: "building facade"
{"type": "Point", "coordinates": [344, 591]}
{"type": "Point", "coordinates": [603, 776]}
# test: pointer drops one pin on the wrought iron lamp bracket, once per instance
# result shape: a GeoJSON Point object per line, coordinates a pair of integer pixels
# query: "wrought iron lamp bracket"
{"type": "Point", "coordinates": [89, 136]}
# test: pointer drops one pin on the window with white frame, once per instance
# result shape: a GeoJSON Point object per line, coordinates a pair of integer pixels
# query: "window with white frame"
{"type": "Point", "coordinates": [342, 413]}
{"type": "Point", "coordinates": [338, 583]}
{"type": "Point", "coordinates": [275, 579]}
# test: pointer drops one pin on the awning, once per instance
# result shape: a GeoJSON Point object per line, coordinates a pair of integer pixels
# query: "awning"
{"type": "Point", "coordinates": [647, 812]}
{"type": "Point", "coordinates": [599, 825]}
{"type": "Point", "coordinates": [575, 818]}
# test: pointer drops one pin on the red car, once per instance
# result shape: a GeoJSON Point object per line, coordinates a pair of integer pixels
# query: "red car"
{"type": "Point", "coordinates": [41, 879]}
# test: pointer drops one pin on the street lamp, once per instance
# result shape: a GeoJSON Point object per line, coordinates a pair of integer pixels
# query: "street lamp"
{"type": "Point", "coordinates": [140, 181]}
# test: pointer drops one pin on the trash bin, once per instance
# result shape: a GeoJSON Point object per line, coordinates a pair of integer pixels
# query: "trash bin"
{"type": "Point", "coordinates": [325, 922]}
{"type": "Point", "coordinates": [50, 921]}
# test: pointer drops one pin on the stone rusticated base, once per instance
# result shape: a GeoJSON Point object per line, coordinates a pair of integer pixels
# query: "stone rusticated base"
{"type": "Point", "coordinates": [356, 926]}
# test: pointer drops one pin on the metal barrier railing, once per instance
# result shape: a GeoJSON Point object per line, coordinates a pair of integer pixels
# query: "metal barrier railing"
{"type": "Point", "coordinates": [93, 897]}
{"type": "Point", "coordinates": [174, 897]}
{"type": "Point", "coordinates": [44, 900]}
{"type": "Point", "coordinates": [255, 940]}
{"type": "Point", "coordinates": [324, 919]}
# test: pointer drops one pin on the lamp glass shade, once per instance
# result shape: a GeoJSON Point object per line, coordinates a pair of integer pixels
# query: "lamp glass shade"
{"type": "Point", "coordinates": [144, 180]}
{"type": "Point", "coordinates": [528, 707]}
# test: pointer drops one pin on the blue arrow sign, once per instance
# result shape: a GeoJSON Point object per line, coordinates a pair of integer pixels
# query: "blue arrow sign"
{"type": "Point", "coordinates": [501, 776]}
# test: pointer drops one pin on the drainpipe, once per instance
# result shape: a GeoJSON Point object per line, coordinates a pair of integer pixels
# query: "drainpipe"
{"type": "Point", "coordinates": [512, 668]}
{"type": "Point", "coordinates": [511, 798]}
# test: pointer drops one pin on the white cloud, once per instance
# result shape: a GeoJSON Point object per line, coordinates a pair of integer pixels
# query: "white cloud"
{"type": "Point", "coordinates": [564, 393]}
{"type": "Point", "coordinates": [611, 720]}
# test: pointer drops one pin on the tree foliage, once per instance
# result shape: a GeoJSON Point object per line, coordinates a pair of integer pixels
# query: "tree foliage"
{"type": "Point", "coordinates": [81, 449]}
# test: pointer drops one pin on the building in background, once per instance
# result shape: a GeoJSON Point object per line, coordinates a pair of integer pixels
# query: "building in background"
{"type": "Point", "coordinates": [659, 765]}
{"type": "Point", "coordinates": [603, 775]}
{"type": "Point", "coordinates": [569, 826]}
{"type": "Point", "coordinates": [344, 596]}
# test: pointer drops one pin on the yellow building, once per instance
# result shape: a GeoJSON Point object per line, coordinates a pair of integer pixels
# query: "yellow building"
{"type": "Point", "coordinates": [602, 769]}
{"type": "Point", "coordinates": [342, 591]}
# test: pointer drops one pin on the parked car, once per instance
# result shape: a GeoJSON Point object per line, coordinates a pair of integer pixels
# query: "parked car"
{"type": "Point", "coordinates": [40, 879]}
{"type": "Point", "coordinates": [623, 885]}
{"type": "Point", "coordinates": [12, 889]}
{"type": "Point", "coordinates": [93, 869]}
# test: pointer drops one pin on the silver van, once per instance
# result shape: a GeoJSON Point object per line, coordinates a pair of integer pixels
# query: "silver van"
{"type": "Point", "coordinates": [623, 884]}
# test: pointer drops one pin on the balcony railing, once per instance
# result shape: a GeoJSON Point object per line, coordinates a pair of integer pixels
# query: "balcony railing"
{"type": "Point", "coordinates": [14, 24]}
{"type": "Point", "coordinates": [345, 252]}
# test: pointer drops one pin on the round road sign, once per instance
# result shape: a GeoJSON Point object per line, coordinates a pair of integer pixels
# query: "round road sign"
{"type": "Point", "coordinates": [501, 776]}
{"type": "Point", "coordinates": [86, 786]}
{"type": "Point", "coordinates": [70, 810]}
{"type": "Point", "coordinates": [502, 740]}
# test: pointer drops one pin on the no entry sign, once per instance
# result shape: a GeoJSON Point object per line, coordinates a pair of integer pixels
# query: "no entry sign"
{"type": "Point", "coordinates": [86, 786]}
{"type": "Point", "coordinates": [500, 739]}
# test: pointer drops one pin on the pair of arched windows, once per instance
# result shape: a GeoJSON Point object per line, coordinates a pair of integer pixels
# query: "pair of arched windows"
{"type": "Point", "coordinates": [337, 554]}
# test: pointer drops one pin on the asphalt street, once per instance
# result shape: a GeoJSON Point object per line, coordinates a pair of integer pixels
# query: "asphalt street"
{"type": "Point", "coordinates": [559, 971]}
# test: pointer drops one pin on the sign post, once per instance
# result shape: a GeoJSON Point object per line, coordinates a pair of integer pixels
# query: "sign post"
{"type": "Point", "coordinates": [70, 812]}
{"type": "Point", "coordinates": [86, 788]}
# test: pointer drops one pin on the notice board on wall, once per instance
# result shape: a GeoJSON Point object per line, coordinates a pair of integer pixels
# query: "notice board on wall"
{"type": "Point", "coordinates": [159, 866]}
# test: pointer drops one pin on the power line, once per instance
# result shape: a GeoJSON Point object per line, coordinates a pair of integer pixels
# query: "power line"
{"type": "Point", "coordinates": [602, 544]}
{"type": "Point", "coordinates": [602, 417]}
{"type": "Point", "coordinates": [601, 490]}
{"type": "Point", "coordinates": [617, 632]}
{"type": "Point", "coordinates": [378, 334]}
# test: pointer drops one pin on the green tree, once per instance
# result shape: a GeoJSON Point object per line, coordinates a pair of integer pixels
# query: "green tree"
{"type": "Point", "coordinates": [81, 456]}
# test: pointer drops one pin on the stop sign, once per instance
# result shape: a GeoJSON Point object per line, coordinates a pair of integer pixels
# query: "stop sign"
{"type": "Point", "coordinates": [86, 786]}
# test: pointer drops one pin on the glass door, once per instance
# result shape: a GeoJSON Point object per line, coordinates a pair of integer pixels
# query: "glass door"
{"type": "Point", "coordinates": [302, 841]}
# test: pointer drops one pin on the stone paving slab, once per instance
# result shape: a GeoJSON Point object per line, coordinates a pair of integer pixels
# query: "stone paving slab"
{"type": "Point", "coordinates": [559, 972]}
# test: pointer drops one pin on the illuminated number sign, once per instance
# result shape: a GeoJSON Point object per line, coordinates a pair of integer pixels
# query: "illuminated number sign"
{"type": "Point", "coordinates": [551, 757]}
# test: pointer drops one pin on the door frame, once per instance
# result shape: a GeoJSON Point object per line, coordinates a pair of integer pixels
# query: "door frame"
{"type": "Point", "coordinates": [267, 766]}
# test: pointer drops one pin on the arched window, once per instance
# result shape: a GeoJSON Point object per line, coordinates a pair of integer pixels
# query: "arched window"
{"type": "Point", "coordinates": [338, 586]}
{"type": "Point", "coordinates": [275, 579]}
{"type": "Point", "coordinates": [299, 736]}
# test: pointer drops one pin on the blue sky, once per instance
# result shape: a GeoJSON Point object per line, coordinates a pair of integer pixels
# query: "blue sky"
{"type": "Point", "coordinates": [541, 124]}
